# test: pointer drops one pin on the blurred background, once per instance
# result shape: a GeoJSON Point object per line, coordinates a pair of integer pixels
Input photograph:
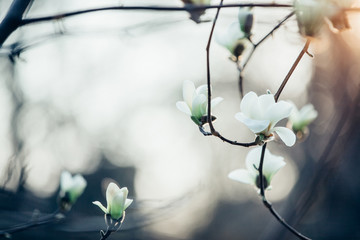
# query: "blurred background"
{"type": "Point", "coordinates": [95, 94]}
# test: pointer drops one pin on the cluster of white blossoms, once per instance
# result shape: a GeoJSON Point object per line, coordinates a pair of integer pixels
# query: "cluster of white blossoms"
{"type": "Point", "coordinates": [71, 188]}
{"type": "Point", "coordinates": [261, 115]}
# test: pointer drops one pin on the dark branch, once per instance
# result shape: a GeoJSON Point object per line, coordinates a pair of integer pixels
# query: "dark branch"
{"type": "Point", "coordinates": [56, 216]}
{"type": "Point", "coordinates": [212, 129]}
{"type": "Point", "coordinates": [241, 68]}
{"type": "Point", "coordinates": [268, 205]}
{"type": "Point", "coordinates": [189, 8]}
{"type": "Point", "coordinates": [303, 51]}
{"type": "Point", "coordinates": [13, 19]}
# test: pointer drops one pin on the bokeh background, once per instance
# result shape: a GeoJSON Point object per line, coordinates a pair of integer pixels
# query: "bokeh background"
{"type": "Point", "coordinates": [95, 94]}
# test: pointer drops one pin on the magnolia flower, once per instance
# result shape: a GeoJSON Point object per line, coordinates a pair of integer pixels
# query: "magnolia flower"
{"type": "Point", "coordinates": [310, 16]}
{"type": "Point", "coordinates": [70, 188]}
{"type": "Point", "coordinates": [250, 175]}
{"type": "Point", "coordinates": [300, 119]}
{"type": "Point", "coordinates": [195, 15]}
{"type": "Point", "coordinates": [261, 114]}
{"type": "Point", "coordinates": [234, 39]}
{"type": "Point", "coordinates": [195, 102]}
{"type": "Point", "coordinates": [117, 201]}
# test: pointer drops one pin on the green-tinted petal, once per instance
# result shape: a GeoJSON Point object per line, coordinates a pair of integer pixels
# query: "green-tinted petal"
{"type": "Point", "coordinates": [188, 92]}
{"type": "Point", "coordinates": [117, 206]}
{"type": "Point", "coordinates": [182, 106]}
{"type": "Point", "coordinates": [97, 203]}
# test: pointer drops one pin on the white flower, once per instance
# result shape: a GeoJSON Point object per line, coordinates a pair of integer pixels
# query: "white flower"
{"type": "Point", "coordinates": [117, 201]}
{"type": "Point", "coordinates": [300, 119]}
{"type": "Point", "coordinates": [310, 16]}
{"type": "Point", "coordinates": [250, 175]}
{"type": "Point", "coordinates": [70, 188]}
{"type": "Point", "coordinates": [195, 101]}
{"type": "Point", "coordinates": [234, 40]}
{"type": "Point", "coordinates": [261, 114]}
{"type": "Point", "coordinates": [195, 15]}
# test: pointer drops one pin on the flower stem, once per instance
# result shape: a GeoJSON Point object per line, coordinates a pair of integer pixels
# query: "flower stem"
{"type": "Point", "coordinates": [106, 234]}
{"type": "Point", "coordinates": [268, 204]}
{"type": "Point", "coordinates": [241, 68]}
{"type": "Point", "coordinates": [50, 218]}
{"type": "Point", "coordinates": [212, 129]}
{"type": "Point", "coordinates": [190, 8]}
{"type": "Point", "coordinates": [293, 67]}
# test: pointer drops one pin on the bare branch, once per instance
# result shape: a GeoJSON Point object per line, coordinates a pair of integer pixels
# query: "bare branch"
{"type": "Point", "coordinates": [293, 67]}
{"type": "Point", "coordinates": [268, 205]}
{"type": "Point", "coordinates": [13, 19]}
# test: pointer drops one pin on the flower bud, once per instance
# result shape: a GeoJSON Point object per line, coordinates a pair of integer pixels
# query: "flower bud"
{"type": "Point", "coordinates": [71, 187]}
{"type": "Point", "coordinates": [117, 201]}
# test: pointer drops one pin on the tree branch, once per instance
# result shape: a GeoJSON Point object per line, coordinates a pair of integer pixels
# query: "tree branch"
{"type": "Point", "coordinates": [189, 8]}
{"type": "Point", "coordinates": [13, 19]}
{"type": "Point", "coordinates": [53, 217]}
{"type": "Point", "coordinates": [293, 67]}
{"type": "Point", "coordinates": [268, 205]}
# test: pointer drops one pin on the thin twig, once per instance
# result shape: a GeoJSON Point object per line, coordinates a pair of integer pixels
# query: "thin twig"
{"type": "Point", "coordinates": [189, 8]}
{"type": "Point", "coordinates": [212, 129]}
{"type": "Point", "coordinates": [53, 217]}
{"type": "Point", "coordinates": [241, 68]}
{"type": "Point", "coordinates": [293, 67]}
{"type": "Point", "coordinates": [266, 36]}
{"type": "Point", "coordinates": [106, 234]}
{"type": "Point", "coordinates": [268, 204]}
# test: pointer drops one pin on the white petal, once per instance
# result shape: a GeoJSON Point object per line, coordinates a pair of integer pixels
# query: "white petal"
{"type": "Point", "coordinates": [278, 111]}
{"type": "Point", "coordinates": [265, 101]}
{"type": "Point", "coordinates": [79, 184]}
{"type": "Point", "coordinates": [111, 192]}
{"type": "Point", "coordinates": [272, 164]}
{"type": "Point", "coordinates": [188, 91]}
{"type": "Point", "coordinates": [198, 105]}
{"type": "Point", "coordinates": [229, 38]}
{"type": "Point", "coordinates": [286, 135]}
{"type": "Point", "coordinates": [308, 113]}
{"type": "Point", "coordinates": [116, 209]}
{"type": "Point", "coordinates": [252, 160]}
{"type": "Point", "coordinates": [127, 203]}
{"type": "Point", "coordinates": [248, 102]}
{"type": "Point", "coordinates": [216, 101]}
{"type": "Point", "coordinates": [202, 90]}
{"type": "Point", "coordinates": [241, 175]}
{"type": "Point", "coordinates": [182, 106]}
{"type": "Point", "coordinates": [65, 181]}
{"type": "Point", "coordinates": [97, 203]}
{"type": "Point", "coordinates": [256, 126]}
